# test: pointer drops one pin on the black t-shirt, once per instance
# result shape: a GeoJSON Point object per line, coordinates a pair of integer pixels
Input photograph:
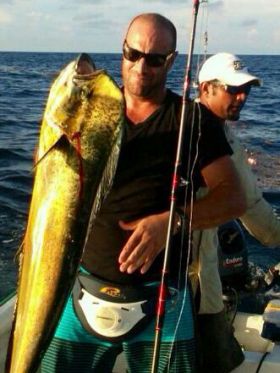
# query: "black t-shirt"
{"type": "Point", "coordinates": [142, 183]}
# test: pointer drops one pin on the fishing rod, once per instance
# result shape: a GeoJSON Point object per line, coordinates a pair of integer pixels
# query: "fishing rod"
{"type": "Point", "coordinates": [163, 291]}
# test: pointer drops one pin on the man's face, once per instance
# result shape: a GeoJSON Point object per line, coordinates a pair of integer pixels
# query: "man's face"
{"type": "Point", "coordinates": [139, 77]}
{"type": "Point", "coordinates": [227, 101]}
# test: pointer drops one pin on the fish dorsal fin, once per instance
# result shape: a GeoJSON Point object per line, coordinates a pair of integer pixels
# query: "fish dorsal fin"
{"type": "Point", "coordinates": [105, 184]}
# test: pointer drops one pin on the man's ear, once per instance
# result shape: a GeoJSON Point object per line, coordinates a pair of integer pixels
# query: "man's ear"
{"type": "Point", "coordinates": [204, 88]}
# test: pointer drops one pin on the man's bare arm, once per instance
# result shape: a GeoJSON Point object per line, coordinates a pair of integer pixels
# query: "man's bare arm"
{"type": "Point", "coordinates": [225, 199]}
{"type": "Point", "coordinates": [224, 202]}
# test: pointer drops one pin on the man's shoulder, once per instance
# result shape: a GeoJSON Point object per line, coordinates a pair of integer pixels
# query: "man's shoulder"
{"type": "Point", "coordinates": [177, 97]}
{"type": "Point", "coordinates": [177, 100]}
{"type": "Point", "coordinates": [207, 113]}
{"type": "Point", "coordinates": [172, 96]}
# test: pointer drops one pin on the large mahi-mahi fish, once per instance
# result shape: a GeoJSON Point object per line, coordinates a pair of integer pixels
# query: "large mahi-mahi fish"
{"type": "Point", "coordinates": [77, 156]}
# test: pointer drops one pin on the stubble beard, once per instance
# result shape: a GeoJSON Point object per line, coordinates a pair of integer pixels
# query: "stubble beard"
{"type": "Point", "coordinates": [142, 89]}
{"type": "Point", "coordinates": [233, 116]}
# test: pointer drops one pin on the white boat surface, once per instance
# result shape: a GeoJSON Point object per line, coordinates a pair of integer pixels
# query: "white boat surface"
{"type": "Point", "coordinates": [260, 353]}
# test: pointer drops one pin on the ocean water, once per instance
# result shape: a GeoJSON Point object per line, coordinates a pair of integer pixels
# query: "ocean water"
{"type": "Point", "coordinates": [25, 79]}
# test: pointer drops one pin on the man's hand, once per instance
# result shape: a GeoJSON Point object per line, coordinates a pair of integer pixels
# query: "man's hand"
{"type": "Point", "coordinates": [145, 243]}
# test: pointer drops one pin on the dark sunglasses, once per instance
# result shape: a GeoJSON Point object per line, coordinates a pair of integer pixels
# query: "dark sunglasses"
{"type": "Point", "coordinates": [235, 90]}
{"type": "Point", "coordinates": [152, 59]}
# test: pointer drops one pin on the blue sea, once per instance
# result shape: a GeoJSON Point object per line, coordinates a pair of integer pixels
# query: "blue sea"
{"type": "Point", "coordinates": [25, 80]}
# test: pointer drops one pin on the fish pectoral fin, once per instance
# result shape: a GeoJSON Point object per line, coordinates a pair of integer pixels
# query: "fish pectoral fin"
{"type": "Point", "coordinates": [62, 140]}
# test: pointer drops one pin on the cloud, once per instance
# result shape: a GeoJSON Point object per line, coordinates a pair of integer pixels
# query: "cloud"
{"type": "Point", "coordinates": [35, 15]}
{"type": "Point", "coordinates": [93, 20]}
{"type": "Point", "coordinates": [86, 17]}
{"type": "Point", "coordinates": [83, 4]}
{"type": "Point", "coordinates": [248, 23]}
{"type": "Point", "coordinates": [212, 4]}
{"type": "Point", "coordinates": [216, 4]}
{"type": "Point", "coordinates": [100, 24]}
{"type": "Point", "coordinates": [103, 2]}
{"type": "Point", "coordinates": [253, 33]}
{"type": "Point", "coordinates": [5, 17]}
{"type": "Point", "coordinates": [14, 2]}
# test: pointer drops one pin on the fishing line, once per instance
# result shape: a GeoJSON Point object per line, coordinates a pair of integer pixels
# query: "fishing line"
{"type": "Point", "coordinates": [203, 38]}
{"type": "Point", "coordinates": [184, 231]}
{"type": "Point", "coordinates": [175, 183]}
{"type": "Point", "coordinates": [191, 180]}
{"type": "Point", "coordinates": [190, 165]}
{"type": "Point", "coordinates": [188, 229]}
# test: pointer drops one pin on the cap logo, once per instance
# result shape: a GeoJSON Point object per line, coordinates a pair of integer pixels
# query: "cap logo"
{"type": "Point", "coordinates": [238, 65]}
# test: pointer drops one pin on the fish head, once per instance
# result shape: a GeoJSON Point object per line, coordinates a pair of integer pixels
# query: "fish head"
{"type": "Point", "coordinates": [84, 102]}
{"type": "Point", "coordinates": [70, 93]}
{"type": "Point", "coordinates": [84, 65]}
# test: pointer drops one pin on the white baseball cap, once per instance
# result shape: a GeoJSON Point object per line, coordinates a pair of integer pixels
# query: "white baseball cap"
{"type": "Point", "coordinates": [228, 69]}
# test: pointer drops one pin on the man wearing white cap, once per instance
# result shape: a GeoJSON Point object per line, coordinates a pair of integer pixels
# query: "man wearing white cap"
{"type": "Point", "coordinates": [224, 85]}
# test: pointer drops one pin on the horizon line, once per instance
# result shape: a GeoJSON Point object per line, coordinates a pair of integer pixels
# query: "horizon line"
{"type": "Point", "coordinates": [119, 53]}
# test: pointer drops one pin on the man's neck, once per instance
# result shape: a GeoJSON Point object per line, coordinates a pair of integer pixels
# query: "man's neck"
{"type": "Point", "coordinates": [138, 109]}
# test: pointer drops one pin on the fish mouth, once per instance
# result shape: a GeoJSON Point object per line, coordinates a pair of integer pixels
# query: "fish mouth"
{"type": "Point", "coordinates": [85, 67]}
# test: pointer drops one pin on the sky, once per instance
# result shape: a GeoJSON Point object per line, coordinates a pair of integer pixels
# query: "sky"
{"type": "Point", "coordinates": [236, 26]}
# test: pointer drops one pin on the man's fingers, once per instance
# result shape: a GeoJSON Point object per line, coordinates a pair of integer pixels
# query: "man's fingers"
{"type": "Point", "coordinates": [144, 244]}
{"type": "Point", "coordinates": [147, 265]}
{"type": "Point", "coordinates": [135, 260]}
{"type": "Point", "coordinates": [128, 226]}
{"type": "Point", "coordinates": [129, 247]}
